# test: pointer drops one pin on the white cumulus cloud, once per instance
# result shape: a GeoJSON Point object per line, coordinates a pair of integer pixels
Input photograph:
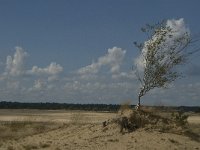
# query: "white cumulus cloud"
{"type": "Point", "coordinates": [39, 84]}
{"type": "Point", "coordinates": [112, 59]}
{"type": "Point", "coordinates": [16, 76]}
{"type": "Point", "coordinates": [52, 69]}
{"type": "Point", "coordinates": [178, 25]}
{"type": "Point", "coordinates": [15, 64]}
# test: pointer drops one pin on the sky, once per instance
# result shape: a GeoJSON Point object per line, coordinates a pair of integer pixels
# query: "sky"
{"type": "Point", "coordinates": [82, 51]}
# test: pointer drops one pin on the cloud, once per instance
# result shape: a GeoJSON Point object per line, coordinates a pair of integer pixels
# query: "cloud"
{"type": "Point", "coordinates": [52, 69]}
{"type": "Point", "coordinates": [125, 75]}
{"type": "Point", "coordinates": [18, 80]}
{"type": "Point", "coordinates": [178, 27]}
{"type": "Point", "coordinates": [39, 85]}
{"type": "Point", "coordinates": [112, 59]}
{"type": "Point", "coordinates": [15, 64]}
{"type": "Point", "coordinates": [13, 85]}
{"type": "Point", "coordinates": [107, 91]}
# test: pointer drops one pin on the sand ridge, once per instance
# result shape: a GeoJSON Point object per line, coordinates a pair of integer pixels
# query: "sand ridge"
{"type": "Point", "coordinates": [93, 137]}
{"type": "Point", "coordinates": [85, 132]}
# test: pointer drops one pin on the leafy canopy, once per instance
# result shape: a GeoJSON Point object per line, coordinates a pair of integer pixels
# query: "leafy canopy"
{"type": "Point", "coordinates": [160, 54]}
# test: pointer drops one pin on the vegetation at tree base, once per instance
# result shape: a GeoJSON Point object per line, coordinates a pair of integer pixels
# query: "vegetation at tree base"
{"type": "Point", "coordinates": [149, 119]}
{"type": "Point", "coordinates": [180, 118]}
{"type": "Point", "coordinates": [163, 51]}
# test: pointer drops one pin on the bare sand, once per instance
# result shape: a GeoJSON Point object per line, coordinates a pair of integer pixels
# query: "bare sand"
{"type": "Point", "coordinates": [84, 131]}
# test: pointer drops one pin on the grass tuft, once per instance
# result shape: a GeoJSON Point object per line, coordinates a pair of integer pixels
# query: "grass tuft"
{"type": "Point", "coordinates": [19, 129]}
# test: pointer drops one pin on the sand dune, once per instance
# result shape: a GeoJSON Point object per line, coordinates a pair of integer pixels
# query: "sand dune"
{"type": "Point", "coordinates": [85, 132]}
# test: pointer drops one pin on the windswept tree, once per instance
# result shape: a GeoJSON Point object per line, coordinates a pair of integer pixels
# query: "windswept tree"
{"type": "Point", "coordinates": [166, 48]}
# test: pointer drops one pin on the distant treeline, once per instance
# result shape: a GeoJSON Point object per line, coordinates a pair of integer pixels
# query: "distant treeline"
{"type": "Point", "coordinates": [66, 106]}
{"type": "Point", "coordinates": [87, 107]}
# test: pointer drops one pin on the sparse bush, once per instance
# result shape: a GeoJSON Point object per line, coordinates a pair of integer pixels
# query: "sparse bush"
{"type": "Point", "coordinates": [77, 118]}
{"type": "Point", "coordinates": [124, 107]}
{"type": "Point", "coordinates": [123, 122]}
{"type": "Point", "coordinates": [150, 119]}
{"type": "Point", "coordinates": [137, 119]}
{"type": "Point", "coordinates": [179, 118]}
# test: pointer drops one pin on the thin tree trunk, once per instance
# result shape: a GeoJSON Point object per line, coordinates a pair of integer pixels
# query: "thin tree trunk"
{"type": "Point", "coordinates": [138, 105]}
{"type": "Point", "coordinates": [139, 101]}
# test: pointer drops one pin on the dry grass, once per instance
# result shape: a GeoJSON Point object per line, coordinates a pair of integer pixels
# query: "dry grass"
{"type": "Point", "coordinates": [78, 118]}
{"type": "Point", "coordinates": [36, 146]}
{"type": "Point", "coordinates": [124, 107]}
{"type": "Point", "coordinates": [193, 131]}
{"type": "Point", "coordinates": [19, 129]}
{"type": "Point", "coordinates": [30, 147]}
{"type": "Point", "coordinates": [10, 148]}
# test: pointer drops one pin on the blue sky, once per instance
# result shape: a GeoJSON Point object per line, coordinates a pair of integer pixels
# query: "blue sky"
{"type": "Point", "coordinates": [54, 40]}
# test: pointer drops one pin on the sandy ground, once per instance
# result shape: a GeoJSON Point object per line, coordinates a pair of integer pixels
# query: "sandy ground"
{"type": "Point", "coordinates": [53, 116]}
{"type": "Point", "coordinates": [84, 131]}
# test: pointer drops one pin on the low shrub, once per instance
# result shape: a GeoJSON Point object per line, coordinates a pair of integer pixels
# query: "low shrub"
{"type": "Point", "coordinates": [179, 118]}
{"type": "Point", "coordinates": [149, 119]}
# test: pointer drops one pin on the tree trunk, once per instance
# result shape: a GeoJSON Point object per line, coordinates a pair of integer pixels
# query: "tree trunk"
{"type": "Point", "coordinates": [139, 101]}
{"type": "Point", "coordinates": [141, 93]}
{"type": "Point", "coordinates": [138, 105]}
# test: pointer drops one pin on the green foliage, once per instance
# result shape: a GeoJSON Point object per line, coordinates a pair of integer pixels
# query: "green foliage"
{"type": "Point", "coordinates": [161, 53]}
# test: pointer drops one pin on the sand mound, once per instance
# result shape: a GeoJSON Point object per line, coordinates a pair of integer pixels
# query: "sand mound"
{"type": "Point", "coordinates": [77, 135]}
